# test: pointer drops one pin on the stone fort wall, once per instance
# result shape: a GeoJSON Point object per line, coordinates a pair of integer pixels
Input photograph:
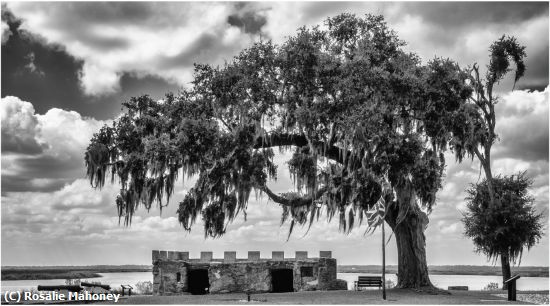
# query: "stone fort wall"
{"type": "Point", "coordinates": [173, 270]}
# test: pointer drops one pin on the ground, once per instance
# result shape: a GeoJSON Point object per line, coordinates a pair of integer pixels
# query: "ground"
{"type": "Point", "coordinates": [394, 296]}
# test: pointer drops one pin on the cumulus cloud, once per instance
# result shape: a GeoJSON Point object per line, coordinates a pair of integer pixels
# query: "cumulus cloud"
{"type": "Point", "coordinates": [157, 39]}
{"type": "Point", "coordinates": [19, 126]}
{"type": "Point", "coordinates": [68, 225]}
{"type": "Point", "coordinates": [42, 152]}
{"type": "Point", "coordinates": [522, 125]}
{"type": "Point", "coordinates": [98, 80]}
{"type": "Point", "coordinates": [76, 199]}
{"type": "Point", "coordinates": [31, 67]}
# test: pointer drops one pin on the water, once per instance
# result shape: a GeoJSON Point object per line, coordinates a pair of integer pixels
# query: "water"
{"type": "Point", "coordinates": [113, 279]}
{"type": "Point", "coordinates": [474, 282]}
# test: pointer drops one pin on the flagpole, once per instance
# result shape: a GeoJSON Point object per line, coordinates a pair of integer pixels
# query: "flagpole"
{"type": "Point", "coordinates": [383, 262]}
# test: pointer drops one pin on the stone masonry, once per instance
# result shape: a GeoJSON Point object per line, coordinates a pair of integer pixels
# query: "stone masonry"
{"type": "Point", "coordinates": [175, 273]}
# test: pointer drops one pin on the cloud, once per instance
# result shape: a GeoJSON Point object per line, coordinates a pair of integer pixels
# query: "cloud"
{"type": "Point", "coordinates": [98, 80]}
{"type": "Point", "coordinates": [42, 152]}
{"type": "Point", "coordinates": [117, 38]}
{"type": "Point", "coordinates": [471, 14]}
{"type": "Point", "coordinates": [522, 125]}
{"type": "Point", "coordinates": [453, 228]}
{"type": "Point", "coordinates": [19, 127]}
{"type": "Point", "coordinates": [76, 211]}
{"type": "Point", "coordinates": [77, 198]}
{"type": "Point", "coordinates": [63, 71]}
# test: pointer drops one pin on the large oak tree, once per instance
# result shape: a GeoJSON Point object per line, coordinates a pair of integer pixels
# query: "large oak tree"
{"type": "Point", "coordinates": [364, 120]}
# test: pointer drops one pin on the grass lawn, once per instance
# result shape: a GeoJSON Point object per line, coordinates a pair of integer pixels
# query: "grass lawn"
{"type": "Point", "coordinates": [394, 296]}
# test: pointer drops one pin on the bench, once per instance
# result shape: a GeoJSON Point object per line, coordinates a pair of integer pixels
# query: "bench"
{"type": "Point", "coordinates": [463, 288]}
{"type": "Point", "coordinates": [368, 281]}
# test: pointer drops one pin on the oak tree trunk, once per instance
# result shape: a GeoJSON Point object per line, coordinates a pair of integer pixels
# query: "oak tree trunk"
{"type": "Point", "coordinates": [410, 239]}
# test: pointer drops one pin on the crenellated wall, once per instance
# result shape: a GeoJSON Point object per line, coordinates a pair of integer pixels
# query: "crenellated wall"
{"type": "Point", "coordinates": [231, 256]}
{"type": "Point", "coordinates": [173, 272]}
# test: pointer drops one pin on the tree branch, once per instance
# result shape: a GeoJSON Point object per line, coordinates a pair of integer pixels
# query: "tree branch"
{"type": "Point", "coordinates": [281, 139]}
{"type": "Point", "coordinates": [284, 139]}
{"type": "Point", "coordinates": [480, 156]}
{"type": "Point", "coordinates": [225, 123]}
{"type": "Point", "coordinates": [296, 202]}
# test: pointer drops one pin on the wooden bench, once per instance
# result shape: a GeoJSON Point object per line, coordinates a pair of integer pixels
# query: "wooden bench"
{"type": "Point", "coordinates": [368, 281]}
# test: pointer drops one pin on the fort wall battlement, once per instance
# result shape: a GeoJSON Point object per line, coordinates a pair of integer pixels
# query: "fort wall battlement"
{"type": "Point", "coordinates": [231, 256]}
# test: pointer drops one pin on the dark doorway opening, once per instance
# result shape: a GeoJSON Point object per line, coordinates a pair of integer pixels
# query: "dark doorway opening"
{"type": "Point", "coordinates": [197, 281]}
{"type": "Point", "coordinates": [282, 280]}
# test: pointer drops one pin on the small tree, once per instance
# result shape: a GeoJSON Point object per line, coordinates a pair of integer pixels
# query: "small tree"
{"type": "Point", "coordinates": [506, 230]}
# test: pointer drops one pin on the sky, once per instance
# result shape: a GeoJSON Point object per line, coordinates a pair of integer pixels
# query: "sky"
{"type": "Point", "coordinates": [68, 66]}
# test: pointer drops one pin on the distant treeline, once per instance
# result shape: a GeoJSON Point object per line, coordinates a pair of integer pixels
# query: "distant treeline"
{"type": "Point", "coordinates": [83, 272]}
{"type": "Point", "coordinates": [66, 272]}
{"type": "Point", "coordinates": [24, 275]}
{"type": "Point", "coordinates": [447, 270]}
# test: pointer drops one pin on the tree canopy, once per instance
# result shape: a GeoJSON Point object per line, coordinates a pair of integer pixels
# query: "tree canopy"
{"type": "Point", "coordinates": [508, 229]}
{"type": "Point", "coordinates": [363, 118]}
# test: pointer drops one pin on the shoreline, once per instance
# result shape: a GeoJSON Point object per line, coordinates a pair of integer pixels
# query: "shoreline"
{"type": "Point", "coordinates": [48, 276]}
{"type": "Point", "coordinates": [525, 271]}
{"type": "Point", "coordinates": [449, 273]}
{"type": "Point", "coordinates": [14, 273]}
{"type": "Point", "coordinates": [97, 275]}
